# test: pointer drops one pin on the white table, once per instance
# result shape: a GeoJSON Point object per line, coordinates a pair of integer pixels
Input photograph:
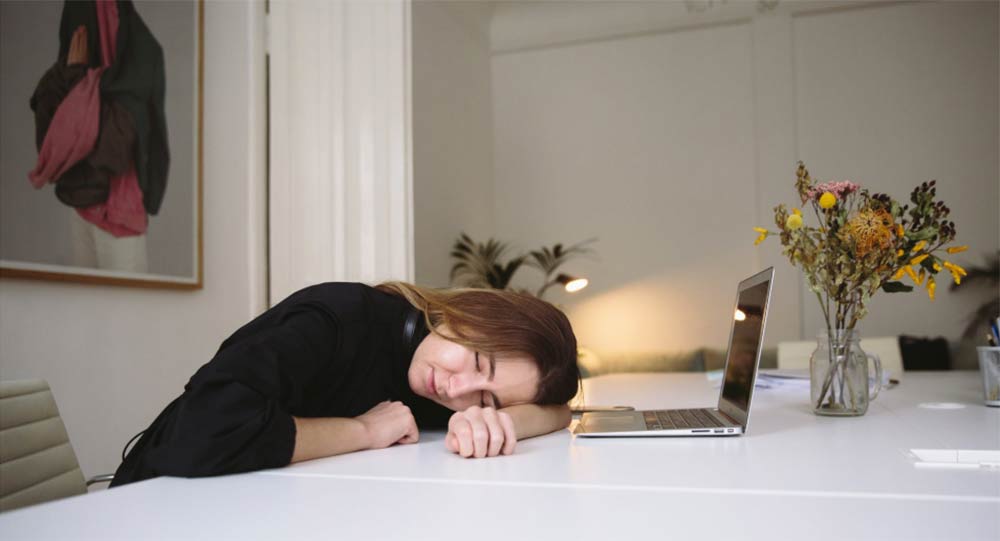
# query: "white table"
{"type": "Point", "coordinates": [794, 476]}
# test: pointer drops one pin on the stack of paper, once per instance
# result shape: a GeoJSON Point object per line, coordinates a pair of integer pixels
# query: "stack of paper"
{"type": "Point", "coordinates": [956, 459]}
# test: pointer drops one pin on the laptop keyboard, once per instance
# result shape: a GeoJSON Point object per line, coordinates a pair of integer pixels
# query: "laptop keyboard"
{"type": "Point", "coordinates": [668, 419]}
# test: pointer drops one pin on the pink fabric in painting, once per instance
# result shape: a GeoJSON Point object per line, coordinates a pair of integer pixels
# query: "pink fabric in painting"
{"type": "Point", "coordinates": [123, 214]}
{"type": "Point", "coordinates": [73, 131]}
{"type": "Point", "coordinates": [107, 22]}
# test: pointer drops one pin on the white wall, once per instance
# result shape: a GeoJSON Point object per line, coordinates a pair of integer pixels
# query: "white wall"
{"type": "Point", "coordinates": [669, 142]}
{"type": "Point", "coordinates": [895, 96]}
{"type": "Point", "coordinates": [115, 356]}
{"type": "Point", "coordinates": [646, 143]}
{"type": "Point", "coordinates": [452, 132]}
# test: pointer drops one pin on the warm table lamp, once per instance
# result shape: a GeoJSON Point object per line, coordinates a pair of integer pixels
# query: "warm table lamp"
{"type": "Point", "coordinates": [571, 284]}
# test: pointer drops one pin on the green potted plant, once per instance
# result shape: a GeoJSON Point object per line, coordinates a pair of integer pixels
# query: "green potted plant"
{"type": "Point", "coordinates": [484, 264]}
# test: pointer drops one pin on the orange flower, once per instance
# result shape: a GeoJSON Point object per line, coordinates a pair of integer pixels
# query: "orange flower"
{"type": "Point", "coordinates": [871, 230]}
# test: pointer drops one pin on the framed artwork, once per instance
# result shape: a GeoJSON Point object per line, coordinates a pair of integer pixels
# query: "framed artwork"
{"type": "Point", "coordinates": [101, 141]}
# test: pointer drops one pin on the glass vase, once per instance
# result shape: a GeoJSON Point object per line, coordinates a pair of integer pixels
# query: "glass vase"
{"type": "Point", "coordinates": [838, 373]}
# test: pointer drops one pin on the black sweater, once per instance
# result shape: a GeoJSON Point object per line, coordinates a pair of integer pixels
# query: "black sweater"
{"type": "Point", "coordinates": [330, 350]}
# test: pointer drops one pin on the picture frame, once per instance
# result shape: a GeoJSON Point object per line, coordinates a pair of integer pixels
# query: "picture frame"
{"type": "Point", "coordinates": [128, 212]}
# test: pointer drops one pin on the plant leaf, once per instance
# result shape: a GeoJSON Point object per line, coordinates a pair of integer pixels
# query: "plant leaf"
{"type": "Point", "coordinates": [896, 287]}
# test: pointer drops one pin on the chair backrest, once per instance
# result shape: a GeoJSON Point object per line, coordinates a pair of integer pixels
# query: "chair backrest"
{"type": "Point", "coordinates": [37, 462]}
{"type": "Point", "coordinates": [796, 354]}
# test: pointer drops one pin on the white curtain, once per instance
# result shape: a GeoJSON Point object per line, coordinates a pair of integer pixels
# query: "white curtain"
{"type": "Point", "coordinates": [341, 201]}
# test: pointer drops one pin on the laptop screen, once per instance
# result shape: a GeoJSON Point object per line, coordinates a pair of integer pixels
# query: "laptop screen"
{"type": "Point", "coordinates": [742, 361]}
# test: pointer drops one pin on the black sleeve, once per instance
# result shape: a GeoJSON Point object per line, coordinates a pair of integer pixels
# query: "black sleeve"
{"type": "Point", "coordinates": [430, 415]}
{"type": "Point", "coordinates": [235, 413]}
{"type": "Point", "coordinates": [158, 157]}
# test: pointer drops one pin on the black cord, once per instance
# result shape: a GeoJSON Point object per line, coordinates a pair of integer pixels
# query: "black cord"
{"type": "Point", "coordinates": [125, 450]}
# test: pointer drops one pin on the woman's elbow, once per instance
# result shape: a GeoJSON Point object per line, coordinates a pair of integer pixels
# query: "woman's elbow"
{"type": "Point", "coordinates": [564, 416]}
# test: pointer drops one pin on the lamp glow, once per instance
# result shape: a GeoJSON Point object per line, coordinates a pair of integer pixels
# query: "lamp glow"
{"type": "Point", "coordinates": [572, 284]}
{"type": "Point", "coordinates": [740, 316]}
{"type": "Point", "coordinates": [576, 285]}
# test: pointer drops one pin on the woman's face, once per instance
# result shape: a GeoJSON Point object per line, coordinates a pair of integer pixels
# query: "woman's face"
{"type": "Point", "coordinates": [458, 377]}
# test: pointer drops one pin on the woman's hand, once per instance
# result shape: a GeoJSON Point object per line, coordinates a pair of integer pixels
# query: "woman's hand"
{"type": "Point", "coordinates": [389, 423]}
{"type": "Point", "coordinates": [77, 47]}
{"type": "Point", "coordinates": [480, 432]}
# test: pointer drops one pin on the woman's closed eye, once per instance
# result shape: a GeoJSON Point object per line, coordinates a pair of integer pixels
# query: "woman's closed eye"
{"type": "Point", "coordinates": [482, 394]}
{"type": "Point", "coordinates": [493, 401]}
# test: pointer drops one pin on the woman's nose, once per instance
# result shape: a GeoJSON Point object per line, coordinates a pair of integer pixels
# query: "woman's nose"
{"type": "Point", "coordinates": [460, 384]}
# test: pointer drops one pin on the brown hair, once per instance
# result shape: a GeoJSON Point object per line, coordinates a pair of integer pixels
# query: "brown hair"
{"type": "Point", "coordinates": [498, 322]}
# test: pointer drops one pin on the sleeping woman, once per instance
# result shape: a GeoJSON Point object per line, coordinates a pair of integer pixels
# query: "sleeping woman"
{"type": "Point", "coordinates": [338, 367]}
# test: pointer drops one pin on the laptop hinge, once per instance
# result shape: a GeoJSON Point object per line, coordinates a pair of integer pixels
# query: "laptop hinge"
{"type": "Point", "coordinates": [725, 416]}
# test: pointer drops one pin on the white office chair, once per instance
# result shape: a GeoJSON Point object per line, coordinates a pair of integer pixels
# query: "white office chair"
{"type": "Point", "coordinates": [795, 355]}
{"type": "Point", "coordinates": [37, 462]}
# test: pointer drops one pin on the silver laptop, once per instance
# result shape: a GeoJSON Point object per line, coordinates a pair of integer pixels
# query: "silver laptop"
{"type": "Point", "coordinates": [732, 416]}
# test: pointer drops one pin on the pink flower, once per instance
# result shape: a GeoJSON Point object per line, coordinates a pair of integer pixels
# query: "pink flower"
{"type": "Point", "coordinates": [838, 188]}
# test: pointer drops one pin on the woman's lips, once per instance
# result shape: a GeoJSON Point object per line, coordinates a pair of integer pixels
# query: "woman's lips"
{"type": "Point", "coordinates": [431, 387]}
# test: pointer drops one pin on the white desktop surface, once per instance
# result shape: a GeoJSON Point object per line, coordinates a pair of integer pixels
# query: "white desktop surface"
{"type": "Point", "coordinates": [788, 448]}
{"type": "Point", "coordinates": [794, 476]}
{"type": "Point", "coordinates": [254, 506]}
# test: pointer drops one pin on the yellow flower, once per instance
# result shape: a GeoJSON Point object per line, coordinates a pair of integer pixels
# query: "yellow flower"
{"type": "Point", "coordinates": [796, 212]}
{"type": "Point", "coordinates": [899, 274]}
{"type": "Point", "coordinates": [956, 272]}
{"type": "Point", "coordinates": [793, 222]}
{"type": "Point", "coordinates": [909, 270]}
{"type": "Point", "coordinates": [899, 230]}
{"type": "Point", "coordinates": [899, 253]}
{"type": "Point", "coordinates": [937, 267]}
{"type": "Point", "coordinates": [827, 200]}
{"type": "Point", "coordinates": [763, 235]}
{"type": "Point", "coordinates": [918, 259]}
{"type": "Point", "coordinates": [957, 249]}
{"type": "Point", "coordinates": [954, 268]}
{"type": "Point", "coordinates": [918, 246]}
{"type": "Point", "coordinates": [931, 286]}
{"type": "Point", "coordinates": [921, 276]}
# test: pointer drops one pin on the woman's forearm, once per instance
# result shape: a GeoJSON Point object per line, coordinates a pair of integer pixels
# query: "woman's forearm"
{"type": "Point", "coordinates": [327, 436]}
{"type": "Point", "coordinates": [532, 420]}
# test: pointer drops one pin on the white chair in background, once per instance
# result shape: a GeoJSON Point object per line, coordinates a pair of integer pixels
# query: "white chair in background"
{"type": "Point", "coordinates": [37, 462]}
{"type": "Point", "coordinates": [795, 355]}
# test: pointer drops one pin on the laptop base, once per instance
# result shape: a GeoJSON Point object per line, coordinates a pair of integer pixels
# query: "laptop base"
{"type": "Point", "coordinates": [645, 424]}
